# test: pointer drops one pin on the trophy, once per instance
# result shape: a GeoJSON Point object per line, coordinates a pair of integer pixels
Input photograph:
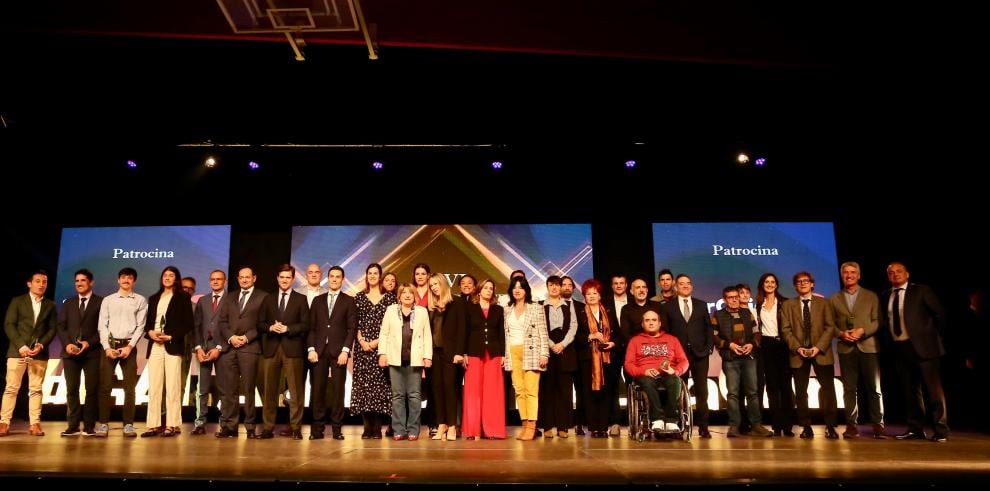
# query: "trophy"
{"type": "Point", "coordinates": [29, 359]}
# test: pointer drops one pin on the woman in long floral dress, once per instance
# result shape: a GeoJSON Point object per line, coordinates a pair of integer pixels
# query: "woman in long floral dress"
{"type": "Point", "coordinates": [370, 391]}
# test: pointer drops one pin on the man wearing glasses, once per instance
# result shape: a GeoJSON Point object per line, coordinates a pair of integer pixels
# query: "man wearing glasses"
{"type": "Point", "coordinates": [808, 328]}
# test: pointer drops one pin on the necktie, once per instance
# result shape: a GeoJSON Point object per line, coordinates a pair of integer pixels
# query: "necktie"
{"type": "Point", "coordinates": [82, 307]}
{"type": "Point", "coordinates": [896, 312]}
{"type": "Point", "coordinates": [216, 301]}
{"type": "Point", "coordinates": [333, 299]}
{"type": "Point", "coordinates": [686, 311]}
{"type": "Point", "coordinates": [281, 305]}
{"type": "Point", "coordinates": [244, 295]}
{"type": "Point", "coordinates": [806, 321]}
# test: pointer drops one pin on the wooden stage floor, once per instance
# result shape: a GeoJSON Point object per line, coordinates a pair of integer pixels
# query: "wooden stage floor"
{"type": "Point", "coordinates": [964, 460]}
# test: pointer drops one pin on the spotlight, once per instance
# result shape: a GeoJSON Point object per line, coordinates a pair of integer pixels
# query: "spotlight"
{"type": "Point", "coordinates": [760, 161]}
{"type": "Point", "coordinates": [376, 165]}
{"type": "Point", "coordinates": [742, 158]}
{"type": "Point", "coordinates": [131, 164]}
{"type": "Point", "coordinates": [253, 165]}
{"type": "Point", "coordinates": [630, 164]}
{"type": "Point", "coordinates": [210, 162]}
{"type": "Point", "coordinates": [497, 165]}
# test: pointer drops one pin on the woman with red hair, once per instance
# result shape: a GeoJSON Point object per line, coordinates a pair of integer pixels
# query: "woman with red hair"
{"type": "Point", "coordinates": [597, 337]}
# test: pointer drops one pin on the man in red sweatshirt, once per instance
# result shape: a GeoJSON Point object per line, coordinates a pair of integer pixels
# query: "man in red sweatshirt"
{"type": "Point", "coordinates": [656, 359]}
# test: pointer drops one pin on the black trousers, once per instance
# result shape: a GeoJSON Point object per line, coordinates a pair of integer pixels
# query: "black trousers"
{"type": "Point", "coordinates": [108, 378]}
{"type": "Point", "coordinates": [318, 380]}
{"type": "Point", "coordinates": [444, 379]}
{"type": "Point", "coordinates": [826, 396]}
{"type": "Point", "coordinates": [914, 373]}
{"type": "Point", "coordinates": [773, 362]}
{"type": "Point", "coordinates": [598, 403]}
{"type": "Point", "coordinates": [235, 370]}
{"type": "Point", "coordinates": [73, 366]}
{"type": "Point", "coordinates": [556, 408]}
{"type": "Point", "coordinates": [699, 373]}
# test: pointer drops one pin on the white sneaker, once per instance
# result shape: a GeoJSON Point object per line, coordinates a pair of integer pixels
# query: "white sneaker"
{"type": "Point", "coordinates": [657, 425]}
{"type": "Point", "coordinates": [672, 427]}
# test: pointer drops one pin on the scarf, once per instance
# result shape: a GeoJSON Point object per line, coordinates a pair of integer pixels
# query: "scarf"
{"type": "Point", "coordinates": [598, 357]}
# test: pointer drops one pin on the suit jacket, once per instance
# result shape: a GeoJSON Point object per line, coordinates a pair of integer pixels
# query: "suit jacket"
{"type": "Point", "coordinates": [71, 327]}
{"type": "Point", "coordinates": [865, 313]}
{"type": "Point", "coordinates": [454, 330]}
{"type": "Point", "coordinates": [390, 338]}
{"type": "Point", "coordinates": [484, 333]}
{"type": "Point", "coordinates": [249, 323]}
{"type": "Point", "coordinates": [923, 317]}
{"type": "Point", "coordinates": [696, 334]}
{"type": "Point", "coordinates": [178, 321]}
{"type": "Point", "coordinates": [206, 322]}
{"type": "Point", "coordinates": [536, 344]}
{"type": "Point", "coordinates": [295, 318]}
{"type": "Point", "coordinates": [330, 333]}
{"type": "Point", "coordinates": [822, 329]}
{"type": "Point", "coordinates": [22, 329]}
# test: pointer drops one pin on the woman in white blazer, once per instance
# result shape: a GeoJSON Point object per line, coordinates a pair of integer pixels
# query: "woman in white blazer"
{"type": "Point", "coordinates": [406, 348]}
{"type": "Point", "coordinates": [527, 351]}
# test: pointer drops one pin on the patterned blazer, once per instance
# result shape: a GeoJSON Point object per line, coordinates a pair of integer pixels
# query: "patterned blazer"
{"type": "Point", "coordinates": [536, 343]}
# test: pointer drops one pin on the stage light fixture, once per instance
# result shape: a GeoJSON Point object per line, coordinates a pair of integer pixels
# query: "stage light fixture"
{"type": "Point", "coordinates": [742, 158]}
{"type": "Point", "coordinates": [497, 165]}
{"type": "Point", "coordinates": [131, 164]}
{"type": "Point", "coordinates": [630, 164]}
{"type": "Point", "coordinates": [760, 162]}
{"type": "Point", "coordinates": [376, 165]}
{"type": "Point", "coordinates": [210, 162]}
{"type": "Point", "coordinates": [254, 165]}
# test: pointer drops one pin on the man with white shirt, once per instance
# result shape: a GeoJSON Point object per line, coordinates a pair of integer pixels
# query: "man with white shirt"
{"type": "Point", "coordinates": [122, 318]}
{"type": "Point", "coordinates": [242, 317]}
{"type": "Point", "coordinates": [333, 326]}
{"type": "Point", "coordinates": [30, 326]}
{"type": "Point", "coordinates": [206, 334]}
{"type": "Point", "coordinates": [312, 288]}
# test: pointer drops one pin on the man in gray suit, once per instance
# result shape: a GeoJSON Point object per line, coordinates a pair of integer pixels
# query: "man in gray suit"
{"type": "Point", "coordinates": [242, 317]}
{"type": "Point", "coordinates": [30, 326]}
{"type": "Point", "coordinates": [856, 311]}
{"type": "Point", "coordinates": [206, 336]}
{"type": "Point", "coordinates": [808, 329]}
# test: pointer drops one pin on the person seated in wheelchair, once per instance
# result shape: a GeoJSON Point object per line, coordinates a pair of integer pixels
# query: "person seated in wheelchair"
{"type": "Point", "coordinates": [655, 359]}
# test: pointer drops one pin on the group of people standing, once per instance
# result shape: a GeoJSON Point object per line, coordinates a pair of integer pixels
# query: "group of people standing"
{"type": "Point", "coordinates": [418, 340]}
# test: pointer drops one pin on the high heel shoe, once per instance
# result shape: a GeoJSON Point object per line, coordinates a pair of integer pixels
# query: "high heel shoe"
{"type": "Point", "coordinates": [441, 433]}
{"type": "Point", "coordinates": [452, 434]}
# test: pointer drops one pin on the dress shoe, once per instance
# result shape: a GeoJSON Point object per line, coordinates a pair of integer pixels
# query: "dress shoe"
{"type": "Point", "coordinates": [760, 430]}
{"type": "Point", "coordinates": [4, 429]}
{"type": "Point", "coordinates": [579, 430]}
{"type": "Point", "coordinates": [251, 435]}
{"type": "Point", "coordinates": [911, 435]}
{"type": "Point", "coordinates": [199, 430]}
{"type": "Point", "coordinates": [704, 433]}
{"type": "Point", "coordinates": [225, 433]}
{"type": "Point", "coordinates": [878, 431]}
{"type": "Point", "coordinates": [830, 433]}
{"type": "Point", "coordinates": [788, 433]}
{"type": "Point", "coordinates": [285, 432]}
{"type": "Point", "coordinates": [315, 435]}
{"type": "Point", "coordinates": [939, 438]}
{"type": "Point", "coordinates": [70, 432]}
{"type": "Point", "coordinates": [852, 431]}
{"type": "Point", "coordinates": [733, 432]}
{"type": "Point", "coordinates": [297, 434]}
{"type": "Point", "coordinates": [807, 432]}
{"type": "Point", "coordinates": [35, 430]}
{"type": "Point", "coordinates": [266, 435]}
{"type": "Point", "coordinates": [338, 436]}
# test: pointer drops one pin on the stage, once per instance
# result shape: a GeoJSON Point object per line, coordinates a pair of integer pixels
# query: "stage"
{"type": "Point", "coordinates": [209, 462]}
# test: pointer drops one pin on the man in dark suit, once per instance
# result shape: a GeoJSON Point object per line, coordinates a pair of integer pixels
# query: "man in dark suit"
{"type": "Point", "coordinates": [333, 324]}
{"type": "Point", "coordinates": [283, 349]}
{"type": "Point", "coordinates": [81, 352]}
{"type": "Point", "coordinates": [688, 319]}
{"type": "Point", "coordinates": [207, 345]}
{"type": "Point", "coordinates": [242, 317]}
{"type": "Point", "coordinates": [808, 329]}
{"type": "Point", "coordinates": [30, 326]}
{"type": "Point", "coordinates": [567, 292]}
{"type": "Point", "coordinates": [912, 317]}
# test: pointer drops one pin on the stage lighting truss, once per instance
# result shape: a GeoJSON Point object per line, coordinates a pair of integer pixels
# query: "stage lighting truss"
{"type": "Point", "coordinates": [294, 18]}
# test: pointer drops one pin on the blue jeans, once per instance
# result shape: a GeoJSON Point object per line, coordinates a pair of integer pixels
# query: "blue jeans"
{"type": "Point", "coordinates": [406, 382]}
{"type": "Point", "coordinates": [741, 371]}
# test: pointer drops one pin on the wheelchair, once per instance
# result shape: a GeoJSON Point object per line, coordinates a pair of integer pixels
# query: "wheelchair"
{"type": "Point", "coordinates": [638, 407]}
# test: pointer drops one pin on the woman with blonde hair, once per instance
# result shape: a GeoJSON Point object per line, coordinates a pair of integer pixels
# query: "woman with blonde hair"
{"type": "Point", "coordinates": [447, 322]}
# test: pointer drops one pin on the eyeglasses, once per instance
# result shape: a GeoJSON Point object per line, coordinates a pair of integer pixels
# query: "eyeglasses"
{"type": "Point", "coordinates": [803, 281]}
